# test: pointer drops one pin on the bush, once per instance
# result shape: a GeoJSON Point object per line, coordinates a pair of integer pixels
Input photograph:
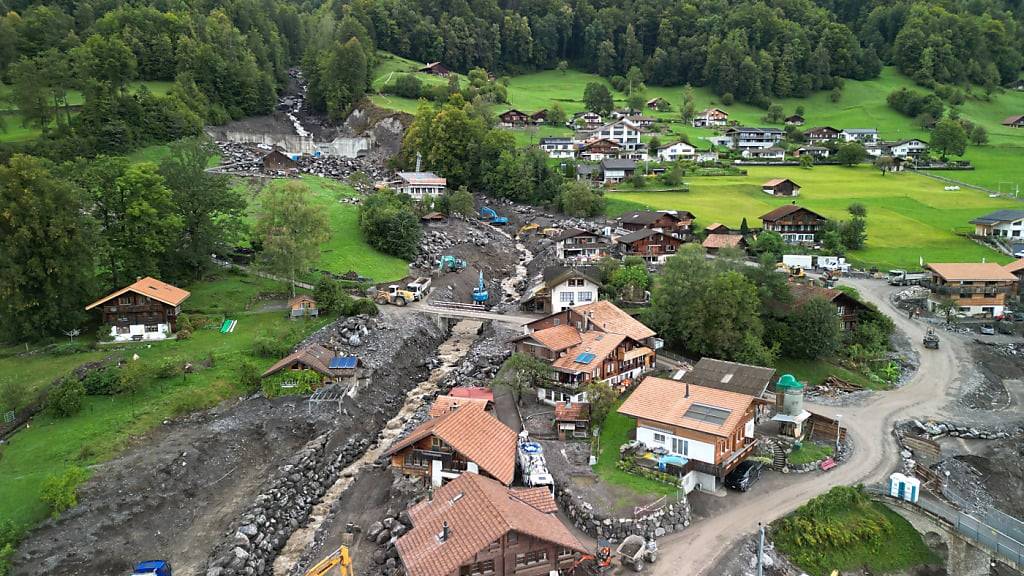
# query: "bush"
{"type": "Point", "coordinates": [60, 492]}
{"type": "Point", "coordinates": [12, 394]}
{"type": "Point", "coordinates": [290, 383]}
{"type": "Point", "coordinates": [362, 306]}
{"type": "Point", "coordinates": [183, 334]}
{"type": "Point", "coordinates": [268, 346]}
{"type": "Point", "coordinates": [249, 376]}
{"type": "Point", "coordinates": [169, 368]}
{"type": "Point", "coordinates": [65, 399]}
{"type": "Point", "coordinates": [102, 382]}
{"type": "Point", "coordinates": [69, 348]}
{"type": "Point", "coordinates": [184, 323]}
{"type": "Point", "coordinates": [728, 99]}
{"type": "Point", "coordinates": [193, 401]}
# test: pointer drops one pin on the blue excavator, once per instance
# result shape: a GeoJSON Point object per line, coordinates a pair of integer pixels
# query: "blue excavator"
{"type": "Point", "coordinates": [480, 295]}
{"type": "Point", "coordinates": [491, 217]}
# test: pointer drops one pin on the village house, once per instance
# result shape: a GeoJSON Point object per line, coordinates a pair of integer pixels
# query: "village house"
{"type": "Point", "coordinates": [641, 121]}
{"type": "Point", "coordinates": [540, 117]}
{"type": "Point", "coordinates": [679, 222]}
{"type": "Point", "coordinates": [710, 118]}
{"type": "Point", "coordinates": [586, 172]}
{"type": "Point", "coordinates": [587, 120]}
{"type": "Point", "coordinates": [771, 154]}
{"type": "Point", "coordinates": [615, 170]}
{"type": "Point", "coordinates": [1000, 224]}
{"type": "Point", "coordinates": [596, 341]}
{"type": "Point", "coordinates": [862, 135]}
{"type": "Point", "coordinates": [561, 288]}
{"type": "Point", "coordinates": [303, 306]}
{"type": "Point", "coordinates": [743, 138]}
{"type": "Point", "coordinates": [1017, 269]}
{"type": "Point", "coordinates": [912, 148]}
{"type": "Point", "coordinates": [977, 289]}
{"type": "Point", "coordinates": [445, 404]}
{"type": "Point", "coordinates": [711, 430]}
{"type": "Point", "coordinates": [435, 69]}
{"type": "Point", "coordinates": [706, 157]}
{"type": "Point", "coordinates": [651, 244]}
{"type": "Point", "coordinates": [622, 132]}
{"type": "Point", "coordinates": [558, 147]}
{"type": "Point", "coordinates": [580, 245]}
{"type": "Point", "coordinates": [781, 187]}
{"type": "Point", "coordinates": [331, 367]}
{"type": "Point", "coordinates": [848, 308]}
{"type": "Point", "coordinates": [513, 119]}
{"type": "Point", "coordinates": [147, 309]}
{"type": "Point", "coordinates": [599, 149]}
{"type": "Point", "coordinates": [734, 377]}
{"type": "Point", "coordinates": [715, 242]}
{"type": "Point", "coordinates": [816, 152]}
{"type": "Point", "coordinates": [277, 161]}
{"type": "Point", "coordinates": [572, 420]}
{"type": "Point", "coordinates": [676, 151]}
{"type": "Point", "coordinates": [474, 526]}
{"type": "Point", "coordinates": [794, 120]}
{"type": "Point", "coordinates": [1014, 121]}
{"type": "Point", "coordinates": [467, 439]}
{"type": "Point", "coordinates": [656, 103]}
{"type": "Point", "coordinates": [419, 184]}
{"type": "Point", "coordinates": [717, 228]}
{"type": "Point", "coordinates": [796, 224]}
{"type": "Point", "coordinates": [620, 113]}
{"type": "Point", "coordinates": [821, 134]}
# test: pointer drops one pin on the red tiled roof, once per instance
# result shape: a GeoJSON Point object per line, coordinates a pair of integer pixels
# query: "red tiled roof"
{"type": "Point", "coordinates": [472, 392]}
{"type": "Point", "coordinates": [557, 338]}
{"type": "Point", "coordinates": [610, 318]}
{"type": "Point", "coordinates": [574, 411]}
{"type": "Point", "coordinates": [599, 345]}
{"type": "Point", "coordinates": [1016, 266]}
{"type": "Point", "coordinates": [445, 404]}
{"type": "Point", "coordinates": [478, 512]}
{"type": "Point", "coordinates": [151, 287]}
{"type": "Point", "coordinates": [476, 435]}
{"type": "Point", "coordinates": [665, 401]}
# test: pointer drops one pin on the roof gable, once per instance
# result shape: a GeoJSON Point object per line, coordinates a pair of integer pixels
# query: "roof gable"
{"type": "Point", "coordinates": [149, 287]}
{"type": "Point", "coordinates": [787, 210]}
{"type": "Point", "coordinates": [610, 318]}
{"type": "Point", "coordinates": [665, 401]}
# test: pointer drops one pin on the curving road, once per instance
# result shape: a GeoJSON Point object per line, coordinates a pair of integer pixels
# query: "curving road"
{"type": "Point", "coordinates": [875, 455]}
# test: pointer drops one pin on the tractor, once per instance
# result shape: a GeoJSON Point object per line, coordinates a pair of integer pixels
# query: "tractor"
{"type": "Point", "coordinates": [394, 295]}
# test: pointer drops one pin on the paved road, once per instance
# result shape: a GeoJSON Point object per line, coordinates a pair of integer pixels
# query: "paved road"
{"type": "Point", "coordinates": [697, 549]}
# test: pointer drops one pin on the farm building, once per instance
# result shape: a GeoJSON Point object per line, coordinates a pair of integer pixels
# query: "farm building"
{"type": "Point", "coordinates": [977, 289]}
{"type": "Point", "coordinates": [794, 120]}
{"type": "Point", "coordinates": [781, 187]}
{"type": "Point", "coordinates": [436, 69]}
{"type": "Point", "coordinates": [147, 309]}
{"type": "Point", "coordinates": [419, 184]}
{"type": "Point", "coordinates": [717, 228]}
{"type": "Point", "coordinates": [730, 376]}
{"type": "Point", "coordinates": [331, 367]}
{"type": "Point", "coordinates": [277, 161]}
{"type": "Point", "coordinates": [1014, 121]}
{"type": "Point", "coordinates": [303, 306]}
{"type": "Point", "coordinates": [656, 103]}
{"type": "Point", "coordinates": [796, 224]}
{"type": "Point", "coordinates": [715, 242]}
{"type": "Point", "coordinates": [539, 117]}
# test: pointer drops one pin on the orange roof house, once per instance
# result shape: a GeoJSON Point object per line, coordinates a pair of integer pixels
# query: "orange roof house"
{"type": "Point", "coordinates": [144, 310]}
{"type": "Point", "coordinates": [976, 288]}
{"type": "Point", "coordinates": [467, 439]}
{"type": "Point", "coordinates": [474, 525]}
{"type": "Point", "coordinates": [445, 404]}
{"type": "Point", "coordinates": [715, 242]}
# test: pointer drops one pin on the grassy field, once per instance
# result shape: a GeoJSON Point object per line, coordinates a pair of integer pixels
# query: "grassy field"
{"type": "Point", "coordinates": [107, 424]}
{"type": "Point", "coordinates": [909, 216]}
{"type": "Point", "coordinates": [614, 433]}
{"type": "Point", "coordinates": [814, 373]}
{"type": "Point", "coordinates": [845, 530]}
{"type": "Point", "coordinates": [809, 452]}
{"type": "Point", "coordinates": [346, 250]}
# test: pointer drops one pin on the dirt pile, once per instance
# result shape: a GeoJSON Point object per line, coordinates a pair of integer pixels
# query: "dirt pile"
{"type": "Point", "coordinates": [483, 248]}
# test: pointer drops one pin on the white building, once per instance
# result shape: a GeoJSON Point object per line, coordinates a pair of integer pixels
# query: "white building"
{"type": "Point", "coordinates": [710, 117]}
{"type": "Point", "coordinates": [623, 132]}
{"type": "Point", "coordinates": [558, 147]}
{"type": "Point", "coordinates": [673, 152]}
{"type": "Point", "coordinates": [1001, 223]}
{"type": "Point", "coordinates": [862, 135]}
{"type": "Point", "coordinates": [419, 184]}
{"type": "Point", "coordinates": [912, 147]}
{"type": "Point", "coordinates": [615, 170]}
{"type": "Point", "coordinates": [771, 153]}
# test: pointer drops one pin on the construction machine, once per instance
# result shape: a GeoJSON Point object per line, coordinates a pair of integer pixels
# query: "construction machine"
{"type": "Point", "coordinates": [529, 228]}
{"type": "Point", "coordinates": [480, 294]}
{"type": "Point", "coordinates": [419, 287]}
{"type": "Point", "coordinates": [931, 340]}
{"type": "Point", "coordinates": [394, 295]}
{"type": "Point", "coordinates": [449, 263]}
{"type": "Point", "coordinates": [491, 217]}
{"type": "Point", "coordinates": [339, 558]}
{"type": "Point", "coordinates": [152, 568]}
{"type": "Point", "coordinates": [592, 564]}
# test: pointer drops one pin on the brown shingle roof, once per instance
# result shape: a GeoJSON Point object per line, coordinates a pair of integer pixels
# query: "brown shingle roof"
{"type": "Point", "coordinates": [664, 401]}
{"type": "Point", "coordinates": [151, 287]}
{"type": "Point", "coordinates": [476, 435]}
{"type": "Point", "coordinates": [600, 344]}
{"type": "Point", "coordinates": [987, 271]}
{"type": "Point", "coordinates": [572, 412]}
{"type": "Point", "coordinates": [786, 210]}
{"type": "Point", "coordinates": [445, 404]}
{"type": "Point", "coordinates": [301, 298]}
{"type": "Point", "coordinates": [611, 318]}
{"type": "Point", "coordinates": [722, 241]}
{"type": "Point", "coordinates": [315, 357]}
{"type": "Point", "coordinates": [478, 512]}
{"type": "Point", "coordinates": [1012, 120]}
{"type": "Point", "coordinates": [557, 338]}
{"type": "Point", "coordinates": [1015, 266]}
{"type": "Point", "coordinates": [730, 376]}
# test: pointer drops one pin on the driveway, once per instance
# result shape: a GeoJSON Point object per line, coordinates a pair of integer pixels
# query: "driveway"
{"type": "Point", "coordinates": [874, 457]}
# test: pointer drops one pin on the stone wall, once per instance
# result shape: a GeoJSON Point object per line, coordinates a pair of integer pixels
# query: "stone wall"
{"type": "Point", "coordinates": [282, 507]}
{"type": "Point", "coordinates": [672, 517]}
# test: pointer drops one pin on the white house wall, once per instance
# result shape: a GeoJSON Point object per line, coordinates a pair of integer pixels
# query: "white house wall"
{"type": "Point", "coordinates": [696, 450]}
{"type": "Point", "coordinates": [573, 293]}
{"type": "Point", "coordinates": [140, 330]}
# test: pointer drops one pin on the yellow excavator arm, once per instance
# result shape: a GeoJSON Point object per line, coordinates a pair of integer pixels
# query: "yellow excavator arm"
{"type": "Point", "coordinates": [339, 557]}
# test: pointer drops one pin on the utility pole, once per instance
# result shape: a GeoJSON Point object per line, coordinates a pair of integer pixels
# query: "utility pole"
{"type": "Point", "coordinates": [760, 550]}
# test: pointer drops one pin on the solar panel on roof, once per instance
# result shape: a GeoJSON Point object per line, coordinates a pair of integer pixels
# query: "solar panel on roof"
{"type": "Point", "coordinates": [709, 414]}
{"type": "Point", "coordinates": [342, 362]}
{"type": "Point", "coordinates": [586, 357]}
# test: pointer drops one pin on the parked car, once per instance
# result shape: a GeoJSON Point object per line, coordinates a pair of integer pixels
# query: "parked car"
{"type": "Point", "coordinates": [744, 475]}
{"type": "Point", "coordinates": [987, 329]}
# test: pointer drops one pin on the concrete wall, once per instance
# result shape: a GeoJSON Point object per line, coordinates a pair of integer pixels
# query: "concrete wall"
{"type": "Point", "coordinates": [295, 144]}
{"type": "Point", "coordinates": [962, 558]}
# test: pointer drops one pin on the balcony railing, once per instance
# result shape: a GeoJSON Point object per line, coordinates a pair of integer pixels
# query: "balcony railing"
{"type": "Point", "coordinates": [417, 458]}
{"type": "Point", "coordinates": [961, 290]}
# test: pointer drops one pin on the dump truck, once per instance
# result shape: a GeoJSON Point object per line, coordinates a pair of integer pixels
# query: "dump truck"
{"type": "Point", "coordinates": [635, 551]}
{"type": "Point", "coordinates": [904, 278]}
{"type": "Point", "coordinates": [394, 295]}
{"type": "Point", "coordinates": [419, 287]}
{"type": "Point", "coordinates": [152, 568]}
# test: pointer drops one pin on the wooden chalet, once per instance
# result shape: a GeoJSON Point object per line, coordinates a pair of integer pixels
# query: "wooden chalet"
{"type": "Point", "coordinates": [677, 221]}
{"type": "Point", "coordinates": [715, 242]}
{"type": "Point", "coordinates": [513, 118]}
{"type": "Point", "coordinates": [795, 224]}
{"type": "Point", "coordinates": [277, 161]}
{"type": "Point", "coordinates": [147, 309]}
{"type": "Point", "coordinates": [436, 69]}
{"type": "Point", "coordinates": [781, 187]}
{"type": "Point", "coordinates": [572, 420]}
{"type": "Point", "coordinates": [303, 306]}
{"type": "Point", "coordinates": [651, 244]}
{"type": "Point", "coordinates": [331, 367]}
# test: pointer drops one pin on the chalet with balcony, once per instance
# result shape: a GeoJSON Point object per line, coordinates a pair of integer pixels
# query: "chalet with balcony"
{"type": "Point", "coordinates": [148, 309]}
{"type": "Point", "coordinates": [599, 149]}
{"type": "Point", "coordinates": [580, 245]}
{"type": "Point", "coordinates": [651, 244]}
{"type": "Point", "coordinates": [623, 132]}
{"type": "Point", "coordinates": [596, 341]}
{"type": "Point", "coordinates": [912, 148]}
{"type": "Point", "coordinates": [863, 135]}
{"type": "Point", "coordinates": [816, 152]}
{"type": "Point", "coordinates": [781, 187]}
{"type": "Point", "coordinates": [558, 147]}
{"type": "Point", "coordinates": [710, 118]}
{"type": "Point", "coordinates": [587, 120]}
{"type": "Point", "coordinates": [796, 224]}
{"type": "Point", "coordinates": [562, 287]}
{"type": "Point", "coordinates": [419, 184]}
{"type": "Point", "coordinates": [821, 134]}
{"type": "Point", "coordinates": [743, 138]}
{"type": "Point", "coordinates": [303, 306]}
{"type": "Point", "coordinates": [475, 526]}
{"type": "Point", "coordinates": [1001, 224]}
{"type": "Point", "coordinates": [977, 289]}
{"type": "Point", "coordinates": [467, 439]}
{"type": "Point", "coordinates": [676, 151]}
{"type": "Point", "coordinates": [768, 154]}
{"type": "Point", "coordinates": [513, 119]}
{"type": "Point", "coordinates": [679, 222]}
{"type": "Point", "coordinates": [794, 120]}
{"type": "Point", "coordinates": [710, 430]}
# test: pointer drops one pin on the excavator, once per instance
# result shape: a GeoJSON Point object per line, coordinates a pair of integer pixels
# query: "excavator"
{"type": "Point", "coordinates": [449, 263]}
{"type": "Point", "coordinates": [339, 558]}
{"type": "Point", "coordinates": [592, 564]}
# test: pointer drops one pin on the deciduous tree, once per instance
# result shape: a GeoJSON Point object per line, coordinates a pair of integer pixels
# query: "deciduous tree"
{"type": "Point", "coordinates": [291, 228]}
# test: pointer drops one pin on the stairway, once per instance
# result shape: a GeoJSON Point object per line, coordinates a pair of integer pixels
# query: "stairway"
{"type": "Point", "coordinates": [778, 456]}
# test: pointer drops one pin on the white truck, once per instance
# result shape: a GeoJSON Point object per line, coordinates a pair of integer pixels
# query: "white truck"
{"type": "Point", "coordinates": [805, 261]}
{"type": "Point", "coordinates": [904, 278]}
{"type": "Point", "coordinates": [419, 287]}
{"type": "Point", "coordinates": [833, 263]}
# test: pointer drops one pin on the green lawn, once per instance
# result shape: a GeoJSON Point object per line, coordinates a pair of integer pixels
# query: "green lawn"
{"type": "Point", "coordinates": [614, 433]}
{"type": "Point", "coordinates": [814, 373]}
{"type": "Point", "coordinates": [107, 424]}
{"type": "Point", "coordinates": [844, 530]}
{"type": "Point", "coordinates": [231, 293]}
{"type": "Point", "coordinates": [36, 371]}
{"type": "Point", "coordinates": [346, 250]}
{"type": "Point", "coordinates": [909, 216]}
{"type": "Point", "coordinates": [809, 452]}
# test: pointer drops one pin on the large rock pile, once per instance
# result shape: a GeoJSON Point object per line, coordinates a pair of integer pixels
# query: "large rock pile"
{"type": "Point", "coordinates": [281, 508]}
{"type": "Point", "coordinates": [939, 429]}
{"type": "Point", "coordinates": [673, 517]}
{"type": "Point", "coordinates": [384, 534]}
{"type": "Point", "coordinates": [436, 243]}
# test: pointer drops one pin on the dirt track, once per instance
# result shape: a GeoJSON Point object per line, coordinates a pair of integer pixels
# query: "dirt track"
{"type": "Point", "coordinates": [696, 550]}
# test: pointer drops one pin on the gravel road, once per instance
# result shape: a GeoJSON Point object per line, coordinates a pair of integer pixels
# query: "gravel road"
{"type": "Point", "coordinates": [927, 395]}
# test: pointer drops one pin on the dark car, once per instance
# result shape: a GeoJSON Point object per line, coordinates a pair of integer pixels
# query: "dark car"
{"type": "Point", "coordinates": [744, 475]}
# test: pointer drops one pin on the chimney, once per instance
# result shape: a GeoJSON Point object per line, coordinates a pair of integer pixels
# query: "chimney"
{"type": "Point", "coordinates": [445, 531]}
{"type": "Point", "coordinates": [687, 389]}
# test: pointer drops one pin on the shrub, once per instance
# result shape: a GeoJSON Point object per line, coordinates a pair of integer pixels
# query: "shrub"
{"type": "Point", "coordinates": [362, 306]}
{"type": "Point", "coordinates": [60, 491]}
{"type": "Point", "coordinates": [12, 394]}
{"type": "Point", "coordinates": [728, 99]}
{"type": "Point", "coordinates": [169, 368]}
{"type": "Point", "coordinates": [183, 334]}
{"type": "Point", "coordinates": [267, 346]}
{"type": "Point", "coordinates": [193, 401]}
{"type": "Point", "coordinates": [69, 348]}
{"type": "Point", "coordinates": [65, 399]}
{"type": "Point", "coordinates": [102, 382]}
{"type": "Point", "coordinates": [249, 376]}
{"type": "Point", "coordinates": [290, 383]}
{"type": "Point", "coordinates": [184, 322]}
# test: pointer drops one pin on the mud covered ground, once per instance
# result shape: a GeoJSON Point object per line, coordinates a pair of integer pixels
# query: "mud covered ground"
{"type": "Point", "coordinates": [179, 489]}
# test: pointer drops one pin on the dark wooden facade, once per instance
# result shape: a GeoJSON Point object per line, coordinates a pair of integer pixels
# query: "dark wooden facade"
{"type": "Point", "coordinates": [655, 245]}
{"type": "Point", "coordinates": [132, 308]}
{"type": "Point", "coordinates": [517, 554]}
